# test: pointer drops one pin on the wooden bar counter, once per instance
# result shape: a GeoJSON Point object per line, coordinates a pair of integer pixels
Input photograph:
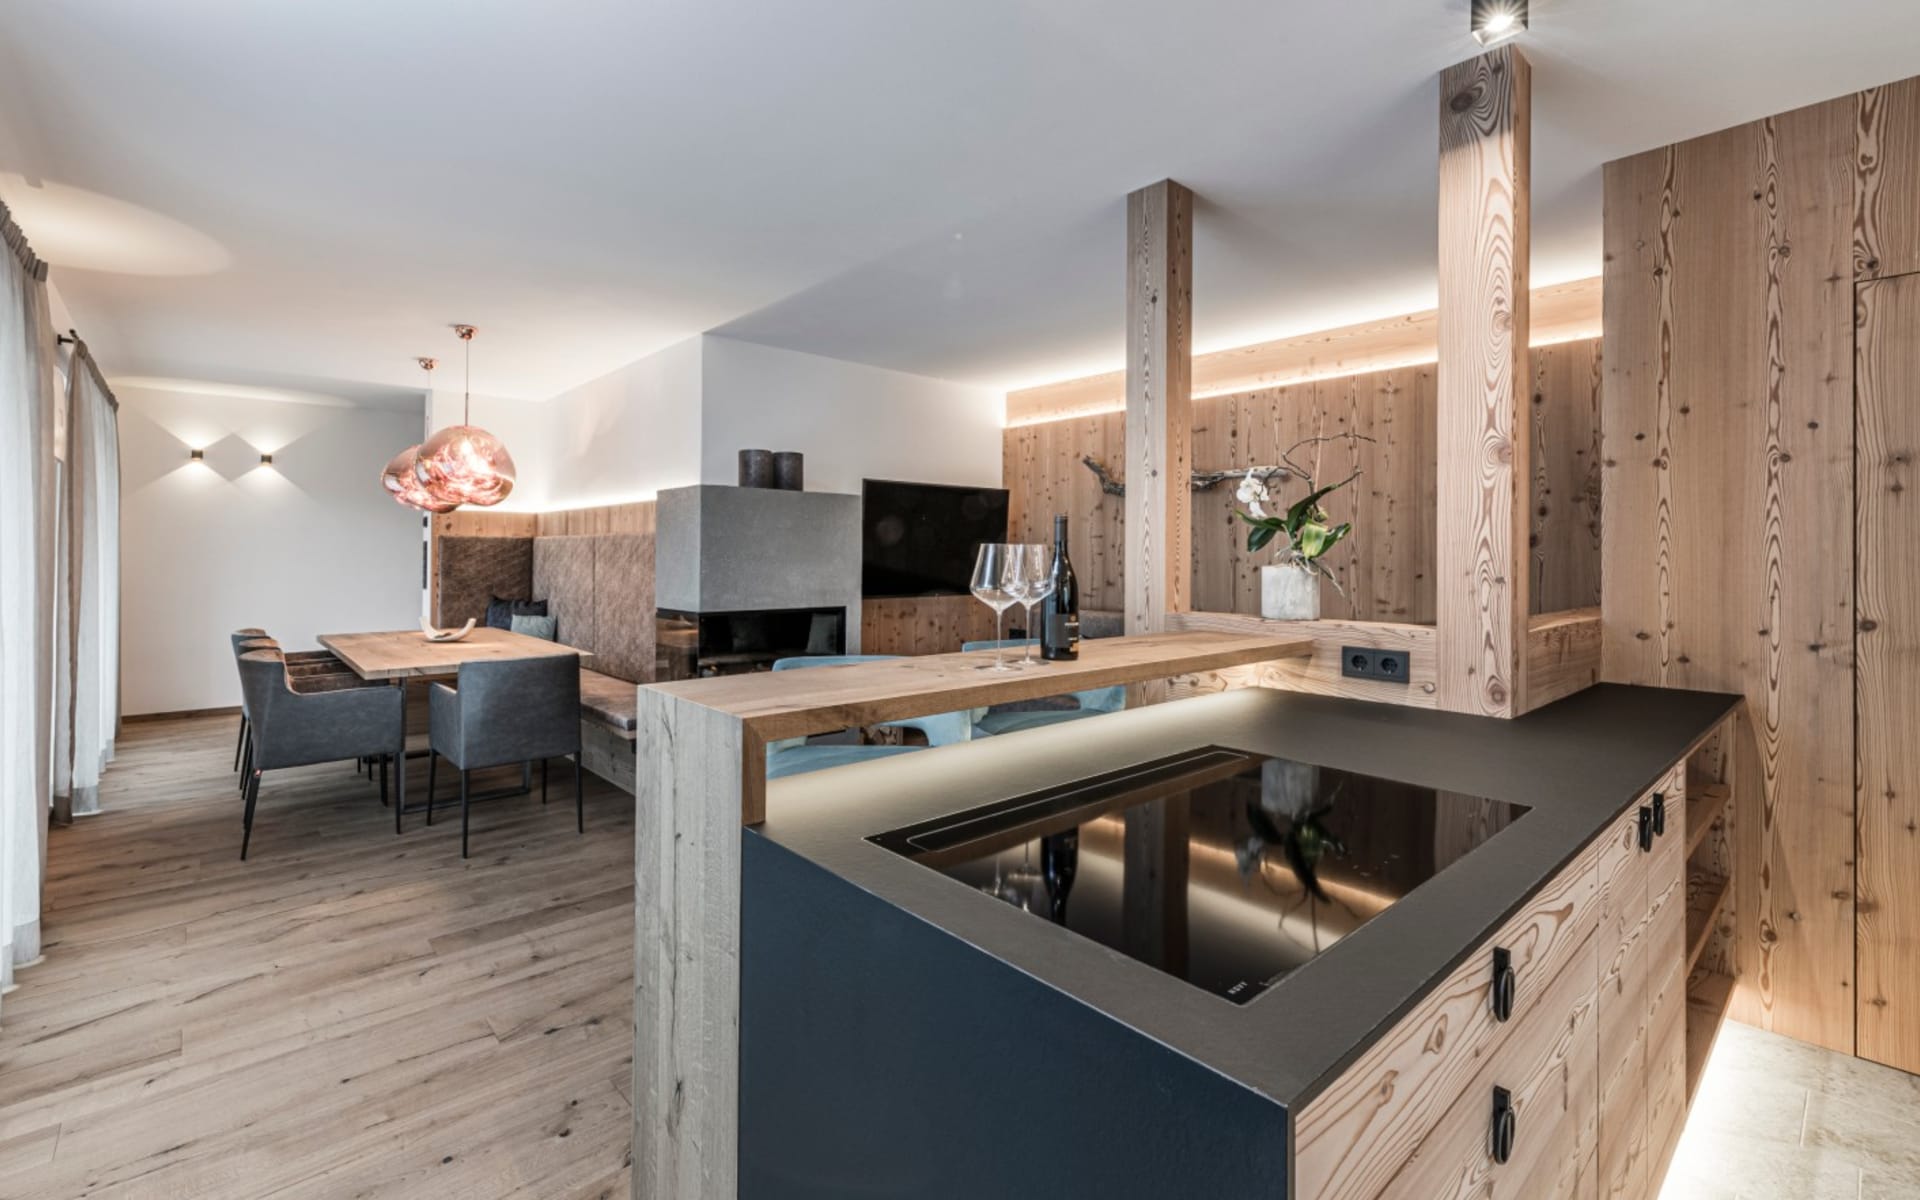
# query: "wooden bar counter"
{"type": "Point", "coordinates": [701, 748]}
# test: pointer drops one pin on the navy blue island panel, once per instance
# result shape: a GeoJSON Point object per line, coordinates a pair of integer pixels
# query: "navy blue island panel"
{"type": "Point", "coordinates": [883, 1057]}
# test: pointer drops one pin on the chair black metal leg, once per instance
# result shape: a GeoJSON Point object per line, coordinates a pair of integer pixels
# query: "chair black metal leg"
{"type": "Point", "coordinates": [579, 794]}
{"type": "Point", "coordinates": [240, 742]}
{"type": "Point", "coordinates": [253, 795]}
{"type": "Point", "coordinates": [399, 786]}
{"type": "Point", "coordinates": [526, 776]}
{"type": "Point", "coordinates": [383, 781]}
{"type": "Point", "coordinates": [463, 812]}
{"type": "Point", "coordinates": [246, 761]}
{"type": "Point", "coordinates": [543, 781]}
{"type": "Point", "coordinates": [433, 765]}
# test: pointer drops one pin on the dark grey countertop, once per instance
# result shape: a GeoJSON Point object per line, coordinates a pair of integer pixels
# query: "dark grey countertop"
{"type": "Point", "coordinates": [1578, 764]}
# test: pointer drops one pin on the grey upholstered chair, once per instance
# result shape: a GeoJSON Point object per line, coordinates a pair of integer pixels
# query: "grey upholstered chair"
{"type": "Point", "coordinates": [326, 721]}
{"type": "Point", "coordinates": [507, 712]}
{"type": "Point", "coordinates": [300, 663]}
{"type": "Point", "coordinates": [240, 746]}
{"type": "Point", "coordinates": [797, 756]}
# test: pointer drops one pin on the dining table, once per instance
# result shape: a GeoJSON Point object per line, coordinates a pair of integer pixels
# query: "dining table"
{"type": "Point", "coordinates": [408, 654]}
{"type": "Point", "coordinates": [397, 656]}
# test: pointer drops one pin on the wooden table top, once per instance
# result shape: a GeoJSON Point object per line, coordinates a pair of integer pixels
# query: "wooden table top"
{"type": "Point", "coordinates": [788, 704]}
{"type": "Point", "coordinates": [407, 654]}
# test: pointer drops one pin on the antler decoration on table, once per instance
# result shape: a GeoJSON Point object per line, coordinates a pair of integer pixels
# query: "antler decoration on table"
{"type": "Point", "coordinates": [1202, 481]}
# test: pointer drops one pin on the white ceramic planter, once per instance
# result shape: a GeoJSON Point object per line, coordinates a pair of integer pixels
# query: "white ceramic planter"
{"type": "Point", "coordinates": [1289, 593]}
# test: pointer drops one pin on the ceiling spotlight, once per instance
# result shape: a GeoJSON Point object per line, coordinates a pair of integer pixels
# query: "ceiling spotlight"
{"type": "Point", "coordinates": [1496, 21]}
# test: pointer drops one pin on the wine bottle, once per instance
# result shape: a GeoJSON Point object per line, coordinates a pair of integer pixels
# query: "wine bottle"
{"type": "Point", "coordinates": [1060, 626]}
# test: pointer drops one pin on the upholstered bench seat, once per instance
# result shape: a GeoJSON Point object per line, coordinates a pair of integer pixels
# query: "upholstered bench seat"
{"type": "Point", "coordinates": [614, 703]}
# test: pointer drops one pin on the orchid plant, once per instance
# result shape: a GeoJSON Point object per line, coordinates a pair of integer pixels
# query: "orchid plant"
{"type": "Point", "coordinates": [1305, 524]}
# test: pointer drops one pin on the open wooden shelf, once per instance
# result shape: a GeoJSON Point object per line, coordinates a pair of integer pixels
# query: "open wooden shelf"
{"type": "Point", "coordinates": [1706, 807]}
{"type": "Point", "coordinates": [1708, 994]}
{"type": "Point", "coordinates": [1706, 892]}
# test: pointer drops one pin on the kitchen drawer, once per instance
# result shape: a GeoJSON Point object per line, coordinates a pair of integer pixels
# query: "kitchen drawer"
{"type": "Point", "coordinates": [1546, 1068]}
{"type": "Point", "coordinates": [1353, 1139]}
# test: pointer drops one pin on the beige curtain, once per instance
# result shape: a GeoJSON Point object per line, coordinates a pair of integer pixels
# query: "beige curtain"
{"type": "Point", "coordinates": [88, 640]}
{"type": "Point", "coordinates": [27, 516]}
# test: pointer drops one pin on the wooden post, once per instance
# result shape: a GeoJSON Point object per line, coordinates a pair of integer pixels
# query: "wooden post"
{"type": "Point", "coordinates": [1157, 564]}
{"type": "Point", "coordinates": [1486, 132]}
{"type": "Point", "coordinates": [693, 781]}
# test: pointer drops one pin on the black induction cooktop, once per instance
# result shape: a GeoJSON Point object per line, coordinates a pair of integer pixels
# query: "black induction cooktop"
{"type": "Point", "coordinates": [1221, 867]}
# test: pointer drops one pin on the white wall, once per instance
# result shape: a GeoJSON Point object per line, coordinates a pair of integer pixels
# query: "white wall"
{"type": "Point", "coordinates": [681, 416]}
{"type": "Point", "coordinates": [309, 545]}
{"type": "Point", "coordinates": [851, 421]}
{"type": "Point", "coordinates": [626, 435]}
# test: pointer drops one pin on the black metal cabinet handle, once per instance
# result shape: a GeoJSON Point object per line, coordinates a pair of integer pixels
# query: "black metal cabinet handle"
{"type": "Point", "coordinates": [1659, 814]}
{"type": "Point", "coordinates": [1504, 984]}
{"type": "Point", "coordinates": [1646, 827]}
{"type": "Point", "coordinates": [1505, 1126]}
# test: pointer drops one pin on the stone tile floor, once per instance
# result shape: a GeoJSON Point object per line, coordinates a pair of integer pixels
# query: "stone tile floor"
{"type": "Point", "coordinates": [1780, 1120]}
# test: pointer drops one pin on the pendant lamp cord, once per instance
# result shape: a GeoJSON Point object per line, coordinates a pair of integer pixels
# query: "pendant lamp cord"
{"type": "Point", "coordinates": [466, 402]}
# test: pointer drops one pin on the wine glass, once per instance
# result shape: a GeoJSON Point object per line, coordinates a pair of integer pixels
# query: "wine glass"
{"type": "Point", "coordinates": [995, 573]}
{"type": "Point", "coordinates": [1036, 575]}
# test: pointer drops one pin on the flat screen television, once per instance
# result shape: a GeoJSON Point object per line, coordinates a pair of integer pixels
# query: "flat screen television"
{"type": "Point", "coordinates": [920, 539]}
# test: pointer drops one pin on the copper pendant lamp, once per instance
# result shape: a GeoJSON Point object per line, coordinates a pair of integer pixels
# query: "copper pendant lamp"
{"type": "Point", "coordinates": [398, 478]}
{"type": "Point", "coordinates": [464, 464]}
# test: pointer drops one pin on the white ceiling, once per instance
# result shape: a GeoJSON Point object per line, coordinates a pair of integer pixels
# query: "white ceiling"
{"type": "Point", "coordinates": [306, 196]}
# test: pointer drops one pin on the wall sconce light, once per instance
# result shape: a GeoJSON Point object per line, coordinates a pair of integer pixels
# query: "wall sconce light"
{"type": "Point", "coordinates": [1496, 21]}
{"type": "Point", "coordinates": [197, 455]}
{"type": "Point", "coordinates": [266, 460]}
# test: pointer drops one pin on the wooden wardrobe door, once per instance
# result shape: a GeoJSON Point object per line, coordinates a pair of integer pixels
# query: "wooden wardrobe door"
{"type": "Point", "coordinates": [1887, 674]}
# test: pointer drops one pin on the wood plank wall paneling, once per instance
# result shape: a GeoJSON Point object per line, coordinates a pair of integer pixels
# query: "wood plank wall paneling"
{"type": "Point", "coordinates": [636, 516]}
{"type": "Point", "coordinates": [927, 624]}
{"type": "Point", "coordinates": [1042, 471]}
{"type": "Point", "coordinates": [1385, 572]}
{"type": "Point", "coordinates": [1482, 564]}
{"type": "Point", "coordinates": [1887, 408]}
{"type": "Point", "coordinates": [1563, 312]}
{"type": "Point", "coordinates": [1387, 565]}
{"type": "Point", "coordinates": [1564, 544]}
{"type": "Point", "coordinates": [1728, 560]}
{"type": "Point", "coordinates": [1886, 233]}
{"type": "Point", "coordinates": [1159, 426]}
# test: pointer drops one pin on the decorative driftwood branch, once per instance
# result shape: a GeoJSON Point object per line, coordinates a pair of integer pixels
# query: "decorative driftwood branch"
{"type": "Point", "coordinates": [1202, 481]}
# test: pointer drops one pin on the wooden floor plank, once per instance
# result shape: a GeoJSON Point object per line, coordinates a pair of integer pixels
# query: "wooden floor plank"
{"type": "Point", "coordinates": [348, 1013]}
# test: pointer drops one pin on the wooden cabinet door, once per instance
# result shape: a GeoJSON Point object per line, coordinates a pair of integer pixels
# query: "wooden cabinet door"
{"type": "Point", "coordinates": [1887, 393]}
{"type": "Point", "coordinates": [1642, 996]}
{"type": "Point", "coordinates": [1621, 1010]}
{"type": "Point", "coordinates": [1666, 987]}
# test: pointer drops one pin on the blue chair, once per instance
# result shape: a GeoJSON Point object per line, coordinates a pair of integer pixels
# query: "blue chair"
{"type": "Point", "coordinates": [795, 756]}
{"type": "Point", "coordinates": [1013, 718]}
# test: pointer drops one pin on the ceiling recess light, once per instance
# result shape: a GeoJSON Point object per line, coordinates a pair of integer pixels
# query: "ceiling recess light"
{"type": "Point", "coordinates": [1496, 21]}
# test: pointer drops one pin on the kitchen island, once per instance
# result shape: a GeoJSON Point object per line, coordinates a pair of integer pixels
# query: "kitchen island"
{"type": "Point", "coordinates": [1510, 1025]}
